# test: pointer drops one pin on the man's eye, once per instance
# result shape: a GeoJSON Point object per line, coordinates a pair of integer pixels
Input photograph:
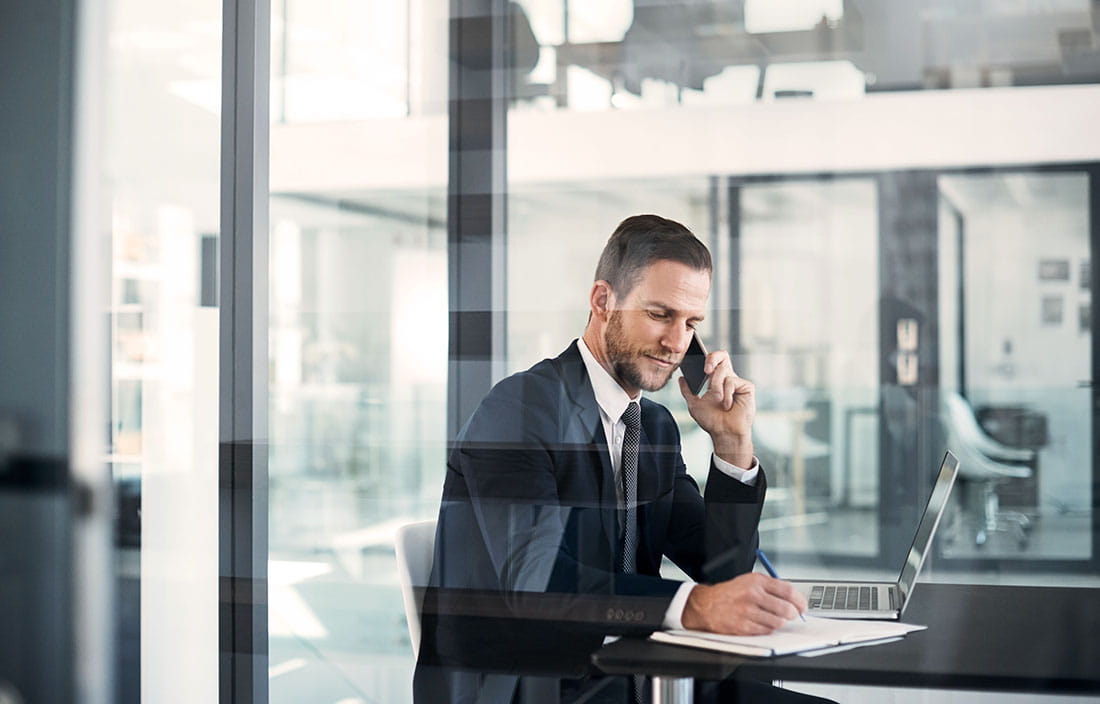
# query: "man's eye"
{"type": "Point", "coordinates": [658, 316]}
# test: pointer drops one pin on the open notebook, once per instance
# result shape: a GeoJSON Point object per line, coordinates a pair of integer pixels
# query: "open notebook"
{"type": "Point", "coordinates": [794, 637]}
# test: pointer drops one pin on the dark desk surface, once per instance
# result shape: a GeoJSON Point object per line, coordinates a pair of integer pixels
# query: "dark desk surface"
{"type": "Point", "coordinates": [979, 637]}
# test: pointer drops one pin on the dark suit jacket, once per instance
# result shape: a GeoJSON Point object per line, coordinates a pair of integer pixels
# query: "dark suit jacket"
{"type": "Point", "coordinates": [527, 536]}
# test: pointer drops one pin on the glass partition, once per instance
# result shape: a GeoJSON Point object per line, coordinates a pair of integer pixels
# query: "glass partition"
{"type": "Point", "coordinates": [774, 130]}
{"type": "Point", "coordinates": [358, 386]}
{"type": "Point", "coordinates": [1016, 290]}
{"type": "Point", "coordinates": [809, 334]}
{"type": "Point", "coordinates": [358, 336]}
{"type": "Point", "coordinates": [160, 184]}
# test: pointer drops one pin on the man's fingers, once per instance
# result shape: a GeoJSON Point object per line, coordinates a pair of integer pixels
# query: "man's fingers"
{"type": "Point", "coordinates": [729, 389]}
{"type": "Point", "coordinates": [771, 620]}
{"type": "Point", "coordinates": [787, 592]}
{"type": "Point", "coordinates": [715, 360]}
{"type": "Point", "coordinates": [782, 608]}
{"type": "Point", "coordinates": [787, 596]}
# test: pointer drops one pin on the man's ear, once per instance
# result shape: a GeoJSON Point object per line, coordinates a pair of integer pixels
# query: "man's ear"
{"type": "Point", "coordinates": [601, 300]}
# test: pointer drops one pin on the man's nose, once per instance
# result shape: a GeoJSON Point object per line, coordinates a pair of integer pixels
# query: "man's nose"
{"type": "Point", "coordinates": [678, 339]}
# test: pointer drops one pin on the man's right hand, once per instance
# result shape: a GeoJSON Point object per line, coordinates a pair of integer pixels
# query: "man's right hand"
{"type": "Point", "coordinates": [751, 604]}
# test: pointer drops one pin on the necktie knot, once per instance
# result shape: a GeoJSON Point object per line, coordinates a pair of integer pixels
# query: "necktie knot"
{"type": "Point", "coordinates": [632, 416]}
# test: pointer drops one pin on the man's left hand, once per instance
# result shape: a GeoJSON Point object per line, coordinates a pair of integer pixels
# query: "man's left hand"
{"type": "Point", "coordinates": [726, 410]}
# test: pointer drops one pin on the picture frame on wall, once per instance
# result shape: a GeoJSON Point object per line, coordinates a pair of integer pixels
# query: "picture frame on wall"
{"type": "Point", "coordinates": [1051, 310]}
{"type": "Point", "coordinates": [1054, 270]}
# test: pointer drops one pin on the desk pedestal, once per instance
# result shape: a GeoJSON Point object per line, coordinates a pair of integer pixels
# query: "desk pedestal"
{"type": "Point", "coordinates": [673, 690]}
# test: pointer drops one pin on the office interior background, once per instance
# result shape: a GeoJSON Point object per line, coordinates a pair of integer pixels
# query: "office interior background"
{"type": "Point", "coordinates": [259, 260]}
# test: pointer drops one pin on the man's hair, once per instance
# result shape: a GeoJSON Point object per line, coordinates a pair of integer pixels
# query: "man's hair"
{"type": "Point", "coordinates": [641, 240]}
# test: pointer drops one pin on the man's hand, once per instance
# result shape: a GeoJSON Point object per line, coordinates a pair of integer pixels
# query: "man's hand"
{"type": "Point", "coordinates": [726, 410]}
{"type": "Point", "coordinates": [752, 604]}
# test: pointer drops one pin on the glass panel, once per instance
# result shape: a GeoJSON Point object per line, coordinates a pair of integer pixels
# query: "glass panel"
{"type": "Point", "coordinates": [358, 336]}
{"type": "Point", "coordinates": [358, 270]}
{"type": "Point", "coordinates": [1016, 356]}
{"type": "Point", "coordinates": [357, 425]}
{"type": "Point", "coordinates": [161, 179]}
{"type": "Point", "coordinates": [809, 331]}
{"type": "Point", "coordinates": [644, 55]}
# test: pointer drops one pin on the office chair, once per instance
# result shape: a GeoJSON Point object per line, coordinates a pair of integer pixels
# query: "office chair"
{"type": "Point", "coordinates": [982, 459]}
{"type": "Point", "coordinates": [414, 546]}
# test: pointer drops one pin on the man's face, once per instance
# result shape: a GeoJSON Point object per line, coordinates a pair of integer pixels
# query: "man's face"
{"type": "Point", "coordinates": [648, 331]}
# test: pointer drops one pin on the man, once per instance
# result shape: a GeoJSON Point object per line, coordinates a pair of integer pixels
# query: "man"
{"type": "Point", "coordinates": [566, 489]}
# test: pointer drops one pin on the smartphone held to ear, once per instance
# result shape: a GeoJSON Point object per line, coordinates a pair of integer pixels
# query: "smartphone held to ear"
{"type": "Point", "coordinates": [692, 365]}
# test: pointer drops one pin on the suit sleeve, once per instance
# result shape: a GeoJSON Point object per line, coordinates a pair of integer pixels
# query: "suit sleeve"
{"type": "Point", "coordinates": [713, 537]}
{"type": "Point", "coordinates": [733, 517]}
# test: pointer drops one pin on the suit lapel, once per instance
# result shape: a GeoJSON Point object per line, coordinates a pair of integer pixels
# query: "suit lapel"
{"type": "Point", "coordinates": [582, 427]}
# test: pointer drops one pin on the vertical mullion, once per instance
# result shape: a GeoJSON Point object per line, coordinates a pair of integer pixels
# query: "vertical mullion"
{"type": "Point", "coordinates": [476, 203]}
{"type": "Point", "coordinates": [908, 251]}
{"type": "Point", "coordinates": [242, 462]}
{"type": "Point", "coordinates": [1093, 174]}
{"type": "Point", "coordinates": [96, 601]}
{"type": "Point", "coordinates": [733, 262]}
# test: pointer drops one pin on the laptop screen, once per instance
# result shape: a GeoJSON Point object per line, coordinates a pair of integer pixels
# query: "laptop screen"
{"type": "Point", "coordinates": [949, 468]}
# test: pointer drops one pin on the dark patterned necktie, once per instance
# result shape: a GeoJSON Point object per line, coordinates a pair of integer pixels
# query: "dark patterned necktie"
{"type": "Point", "coordinates": [628, 475]}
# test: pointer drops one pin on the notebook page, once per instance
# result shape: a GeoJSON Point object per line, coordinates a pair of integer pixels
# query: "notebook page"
{"type": "Point", "coordinates": [796, 636]}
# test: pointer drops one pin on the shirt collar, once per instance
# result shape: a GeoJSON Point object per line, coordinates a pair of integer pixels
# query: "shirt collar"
{"type": "Point", "coordinates": [610, 397]}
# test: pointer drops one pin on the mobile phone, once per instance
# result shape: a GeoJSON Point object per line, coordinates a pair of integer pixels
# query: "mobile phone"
{"type": "Point", "coordinates": [692, 365]}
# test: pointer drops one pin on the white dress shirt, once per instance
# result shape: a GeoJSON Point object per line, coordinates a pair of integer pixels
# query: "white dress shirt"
{"type": "Point", "coordinates": [613, 400]}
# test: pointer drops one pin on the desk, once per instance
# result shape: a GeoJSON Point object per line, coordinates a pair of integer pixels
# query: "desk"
{"type": "Point", "coordinates": [1020, 639]}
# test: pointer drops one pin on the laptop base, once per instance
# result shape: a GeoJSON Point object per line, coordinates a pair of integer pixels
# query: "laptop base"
{"type": "Point", "coordinates": [879, 599]}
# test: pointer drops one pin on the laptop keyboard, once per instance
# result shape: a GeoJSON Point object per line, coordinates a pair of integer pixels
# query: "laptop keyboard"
{"type": "Point", "coordinates": [844, 598]}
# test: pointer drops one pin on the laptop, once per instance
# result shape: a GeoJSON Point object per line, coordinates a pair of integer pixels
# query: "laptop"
{"type": "Point", "coordinates": [881, 600]}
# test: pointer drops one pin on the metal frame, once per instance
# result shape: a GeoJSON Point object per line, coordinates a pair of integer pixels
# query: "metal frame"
{"type": "Point", "coordinates": [242, 461]}
{"type": "Point", "coordinates": [96, 601]}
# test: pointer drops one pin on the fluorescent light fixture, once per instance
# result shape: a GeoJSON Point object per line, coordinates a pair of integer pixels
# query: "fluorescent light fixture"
{"type": "Point", "coordinates": [789, 15]}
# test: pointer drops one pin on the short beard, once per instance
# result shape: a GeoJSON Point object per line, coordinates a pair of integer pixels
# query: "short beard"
{"type": "Point", "coordinates": [622, 357]}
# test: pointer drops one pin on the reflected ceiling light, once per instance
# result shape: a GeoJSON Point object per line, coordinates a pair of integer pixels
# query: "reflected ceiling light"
{"type": "Point", "coordinates": [763, 16]}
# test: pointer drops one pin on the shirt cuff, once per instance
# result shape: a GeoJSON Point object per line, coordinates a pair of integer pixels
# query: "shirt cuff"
{"type": "Point", "coordinates": [675, 613]}
{"type": "Point", "coordinates": [745, 476]}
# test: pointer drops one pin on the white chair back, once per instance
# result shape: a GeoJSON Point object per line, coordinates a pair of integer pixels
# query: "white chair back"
{"type": "Point", "coordinates": [415, 548]}
{"type": "Point", "coordinates": [978, 453]}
